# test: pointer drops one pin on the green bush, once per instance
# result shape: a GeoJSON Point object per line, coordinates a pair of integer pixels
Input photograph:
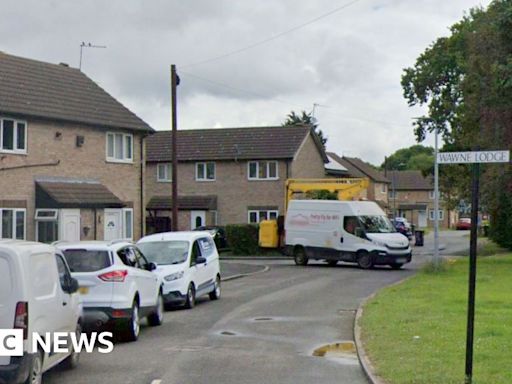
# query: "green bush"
{"type": "Point", "coordinates": [243, 239]}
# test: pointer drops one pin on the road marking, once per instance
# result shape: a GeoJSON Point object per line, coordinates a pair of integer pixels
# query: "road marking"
{"type": "Point", "coordinates": [156, 382]}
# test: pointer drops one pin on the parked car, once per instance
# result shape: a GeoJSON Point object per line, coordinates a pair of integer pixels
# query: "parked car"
{"type": "Point", "coordinates": [38, 295]}
{"type": "Point", "coordinates": [218, 234]}
{"type": "Point", "coordinates": [402, 228]}
{"type": "Point", "coordinates": [117, 286]}
{"type": "Point", "coordinates": [188, 264]}
{"type": "Point", "coordinates": [463, 223]}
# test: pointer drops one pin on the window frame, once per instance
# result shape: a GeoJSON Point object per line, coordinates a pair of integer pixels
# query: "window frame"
{"type": "Point", "coordinates": [205, 165]}
{"type": "Point", "coordinates": [125, 211]}
{"type": "Point", "coordinates": [258, 218]}
{"type": "Point", "coordinates": [440, 214]}
{"type": "Point", "coordinates": [15, 143]}
{"type": "Point", "coordinates": [168, 172]}
{"type": "Point", "coordinates": [124, 136]}
{"type": "Point", "coordinates": [432, 195]}
{"type": "Point", "coordinates": [15, 212]}
{"type": "Point", "coordinates": [267, 165]}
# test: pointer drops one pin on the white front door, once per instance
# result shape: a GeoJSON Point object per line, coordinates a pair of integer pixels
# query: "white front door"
{"type": "Point", "coordinates": [197, 219]}
{"type": "Point", "coordinates": [422, 219]}
{"type": "Point", "coordinates": [113, 224]}
{"type": "Point", "coordinates": [69, 225]}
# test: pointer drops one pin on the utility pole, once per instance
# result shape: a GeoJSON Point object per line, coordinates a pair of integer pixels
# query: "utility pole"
{"type": "Point", "coordinates": [436, 200]}
{"type": "Point", "coordinates": [174, 138]}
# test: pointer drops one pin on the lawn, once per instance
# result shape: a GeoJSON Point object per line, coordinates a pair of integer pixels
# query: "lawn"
{"type": "Point", "coordinates": [415, 332]}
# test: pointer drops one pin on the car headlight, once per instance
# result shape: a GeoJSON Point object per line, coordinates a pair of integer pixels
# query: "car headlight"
{"type": "Point", "coordinates": [174, 276]}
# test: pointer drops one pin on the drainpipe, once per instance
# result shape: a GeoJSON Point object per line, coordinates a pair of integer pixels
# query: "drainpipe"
{"type": "Point", "coordinates": [142, 167]}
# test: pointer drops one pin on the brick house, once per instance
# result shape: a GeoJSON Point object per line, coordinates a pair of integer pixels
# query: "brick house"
{"type": "Point", "coordinates": [353, 167]}
{"type": "Point", "coordinates": [411, 195]}
{"type": "Point", "coordinates": [228, 176]}
{"type": "Point", "coordinates": [71, 163]}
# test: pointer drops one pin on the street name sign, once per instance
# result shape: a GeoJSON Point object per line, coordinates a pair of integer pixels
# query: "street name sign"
{"type": "Point", "coordinates": [473, 157]}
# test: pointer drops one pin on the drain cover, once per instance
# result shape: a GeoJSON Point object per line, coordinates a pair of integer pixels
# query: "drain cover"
{"type": "Point", "coordinates": [227, 333]}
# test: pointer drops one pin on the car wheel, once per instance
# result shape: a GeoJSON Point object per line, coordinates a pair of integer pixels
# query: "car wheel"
{"type": "Point", "coordinates": [300, 257]}
{"type": "Point", "coordinates": [364, 260]}
{"type": "Point", "coordinates": [215, 294]}
{"type": "Point", "coordinates": [332, 263]}
{"type": "Point", "coordinates": [396, 265]}
{"type": "Point", "coordinates": [36, 370]}
{"type": "Point", "coordinates": [72, 360]}
{"type": "Point", "coordinates": [191, 297]}
{"type": "Point", "coordinates": [157, 317]}
{"type": "Point", "coordinates": [132, 334]}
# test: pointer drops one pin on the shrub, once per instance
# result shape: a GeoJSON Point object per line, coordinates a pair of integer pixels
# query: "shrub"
{"type": "Point", "coordinates": [243, 239]}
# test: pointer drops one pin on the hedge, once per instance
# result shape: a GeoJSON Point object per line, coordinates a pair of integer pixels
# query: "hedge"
{"type": "Point", "coordinates": [243, 239]}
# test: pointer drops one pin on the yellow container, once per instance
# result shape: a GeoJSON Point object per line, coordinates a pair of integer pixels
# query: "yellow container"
{"type": "Point", "coordinates": [268, 234]}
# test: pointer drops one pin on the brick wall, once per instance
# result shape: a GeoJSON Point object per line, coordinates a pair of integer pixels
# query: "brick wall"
{"type": "Point", "coordinates": [51, 142]}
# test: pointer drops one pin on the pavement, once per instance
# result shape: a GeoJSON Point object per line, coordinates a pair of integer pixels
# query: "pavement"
{"type": "Point", "coordinates": [234, 269]}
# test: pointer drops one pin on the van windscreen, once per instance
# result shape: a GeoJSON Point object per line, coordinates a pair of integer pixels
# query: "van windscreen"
{"type": "Point", "coordinates": [376, 224]}
{"type": "Point", "coordinates": [83, 260]}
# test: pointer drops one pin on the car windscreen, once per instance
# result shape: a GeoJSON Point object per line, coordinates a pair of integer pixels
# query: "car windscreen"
{"type": "Point", "coordinates": [376, 224]}
{"type": "Point", "coordinates": [84, 260]}
{"type": "Point", "coordinates": [165, 252]}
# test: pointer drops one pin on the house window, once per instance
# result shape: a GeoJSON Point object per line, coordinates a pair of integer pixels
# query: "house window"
{"type": "Point", "coordinates": [383, 188]}
{"type": "Point", "coordinates": [431, 195]}
{"type": "Point", "coordinates": [262, 170]}
{"type": "Point", "coordinates": [255, 217]}
{"type": "Point", "coordinates": [128, 223]}
{"type": "Point", "coordinates": [392, 195]}
{"type": "Point", "coordinates": [47, 225]}
{"type": "Point", "coordinates": [164, 173]}
{"type": "Point", "coordinates": [205, 171]}
{"type": "Point", "coordinates": [13, 136]}
{"type": "Point", "coordinates": [119, 147]}
{"type": "Point", "coordinates": [440, 215]}
{"type": "Point", "coordinates": [12, 224]}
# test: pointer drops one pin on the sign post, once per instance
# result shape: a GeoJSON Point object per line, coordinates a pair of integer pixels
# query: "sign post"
{"type": "Point", "coordinates": [474, 158]}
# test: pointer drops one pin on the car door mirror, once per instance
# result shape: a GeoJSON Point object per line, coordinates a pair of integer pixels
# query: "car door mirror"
{"type": "Point", "coordinates": [152, 266]}
{"type": "Point", "coordinates": [200, 260]}
{"type": "Point", "coordinates": [72, 285]}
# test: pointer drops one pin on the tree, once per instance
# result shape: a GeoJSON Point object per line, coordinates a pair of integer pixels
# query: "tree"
{"type": "Point", "coordinates": [416, 157]}
{"type": "Point", "coordinates": [305, 119]}
{"type": "Point", "coordinates": [465, 80]}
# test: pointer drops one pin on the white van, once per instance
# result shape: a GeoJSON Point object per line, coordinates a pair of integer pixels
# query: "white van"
{"type": "Point", "coordinates": [188, 264]}
{"type": "Point", "coordinates": [37, 294]}
{"type": "Point", "coordinates": [352, 231]}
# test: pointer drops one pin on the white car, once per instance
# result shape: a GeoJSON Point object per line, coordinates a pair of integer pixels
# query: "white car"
{"type": "Point", "coordinates": [117, 286]}
{"type": "Point", "coordinates": [37, 295]}
{"type": "Point", "coordinates": [188, 264]}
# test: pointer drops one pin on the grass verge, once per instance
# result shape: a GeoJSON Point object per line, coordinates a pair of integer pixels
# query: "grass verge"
{"type": "Point", "coordinates": [415, 332]}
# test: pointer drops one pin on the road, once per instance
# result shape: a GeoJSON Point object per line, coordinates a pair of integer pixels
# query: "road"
{"type": "Point", "coordinates": [263, 330]}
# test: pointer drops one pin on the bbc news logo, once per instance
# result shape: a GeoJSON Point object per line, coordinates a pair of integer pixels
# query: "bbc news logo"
{"type": "Point", "coordinates": [11, 342]}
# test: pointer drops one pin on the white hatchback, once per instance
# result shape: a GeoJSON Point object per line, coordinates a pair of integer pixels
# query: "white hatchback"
{"type": "Point", "coordinates": [188, 264]}
{"type": "Point", "coordinates": [117, 286]}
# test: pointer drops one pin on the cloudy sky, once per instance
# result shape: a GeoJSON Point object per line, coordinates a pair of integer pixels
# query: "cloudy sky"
{"type": "Point", "coordinates": [348, 63]}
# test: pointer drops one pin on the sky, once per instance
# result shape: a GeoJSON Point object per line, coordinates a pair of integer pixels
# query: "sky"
{"type": "Point", "coordinates": [246, 63]}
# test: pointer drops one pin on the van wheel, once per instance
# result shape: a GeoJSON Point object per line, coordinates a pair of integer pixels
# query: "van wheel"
{"type": "Point", "coordinates": [191, 296]}
{"type": "Point", "coordinates": [36, 370]}
{"type": "Point", "coordinates": [396, 265]}
{"type": "Point", "coordinates": [215, 294]}
{"type": "Point", "coordinates": [300, 257]}
{"type": "Point", "coordinates": [72, 360]}
{"type": "Point", "coordinates": [332, 263]}
{"type": "Point", "coordinates": [132, 333]}
{"type": "Point", "coordinates": [157, 317]}
{"type": "Point", "coordinates": [364, 260]}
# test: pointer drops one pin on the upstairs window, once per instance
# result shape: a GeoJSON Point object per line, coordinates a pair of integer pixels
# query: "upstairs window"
{"type": "Point", "coordinates": [164, 173]}
{"type": "Point", "coordinates": [119, 147]}
{"type": "Point", "coordinates": [13, 136]}
{"type": "Point", "coordinates": [263, 170]}
{"type": "Point", "coordinates": [205, 171]}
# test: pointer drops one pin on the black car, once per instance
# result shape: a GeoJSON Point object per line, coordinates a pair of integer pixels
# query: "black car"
{"type": "Point", "coordinates": [218, 234]}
